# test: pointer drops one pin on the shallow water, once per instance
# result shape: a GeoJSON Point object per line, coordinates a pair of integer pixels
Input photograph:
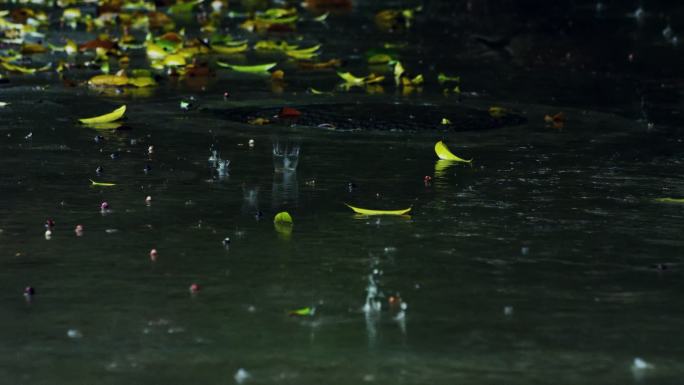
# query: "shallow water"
{"type": "Point", "coordinates": [538, 263]}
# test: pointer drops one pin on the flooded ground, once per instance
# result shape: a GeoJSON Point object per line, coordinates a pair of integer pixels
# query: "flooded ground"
{"type": "Point", "coordinates": [548, 259]}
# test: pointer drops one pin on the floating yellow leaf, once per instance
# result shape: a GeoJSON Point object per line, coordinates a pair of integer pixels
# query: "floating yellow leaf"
{"type": "Point", "coordinates": [259, 121]}
{"type": "Point", "coordinates": [670, 200]}
{"type": "Point", "coordinates": [229, 50]}
{"type": "Point", "coordinates": [270, 45]}
{"type": "Point", "coordinates": [361, 211]}
{"type": "Point", "coordinates": [143, 81]}
{"type": "Point", "coordinates": [108, 80]}
{"type": "Point", "coordinates": [24, 70]}
{"type": "Point", "coordinates": [155, 51]}
{"type": "Point", "coordinates": [304, 53]}
{"type": "Point", "coordinates": [257, 68]}
{"type": "Point", "coordinates": [443, 152]}
{"type": "Point", "coordinates": [31, 48]}
{"type": "Point", "coordinates": [283, 217]}
{"type": "Point", "coordinates": [497, 112]}
{"type": "Point", "coordinates": [380, 58]}
{"type": "Point", "coordinates": [174, 60]}
{"type": "Point", "coordinates": [356, 81]}
{"type": "Point", "coordinates": [314, 91]}
{"type": "Point", "coordinates": [104, 184]}
{"type": "Point", "coordinates": [106, 118]}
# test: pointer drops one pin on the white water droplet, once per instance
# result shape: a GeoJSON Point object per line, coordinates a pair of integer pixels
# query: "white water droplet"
{"type": "Point", "coordinates": [241, 376]}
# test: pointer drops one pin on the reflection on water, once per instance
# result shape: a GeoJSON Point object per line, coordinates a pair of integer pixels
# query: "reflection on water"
{"type": "Point", "coordinates": [285, 191]}
{"type": "Point", "coordinates": [442, 166]}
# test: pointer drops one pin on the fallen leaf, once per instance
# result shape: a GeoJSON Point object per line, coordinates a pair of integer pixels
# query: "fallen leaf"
{"type": "Point", "coordinates": [361, 211]}
{"type": "Point", "coordinates": [305, 311]}
{"type": "Point", "coordinates": [106, 118]}
{"type": "Point", "coordinates": [444, 153]}
{"type": "Point", "coordinates": [104, 184]}
{"type": "Point", "coordinates": [109, 80]}
{"type": "Point", "coordinates": [257, 68]}
{"type": "Point", "coordinates": [497, 112]}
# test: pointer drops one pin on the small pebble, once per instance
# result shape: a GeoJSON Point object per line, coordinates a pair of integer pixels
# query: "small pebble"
{"type": "Point", "coordinates": [148, 200]}
{"type": "Point", "coordinates": [79, 230]}
{"type": "Point", "coordinates": [48, 234]}
{"type": "Point", "coordinates": [104, 206]}
{"type": "Point", "coordinates": [508, 310]}
{"type": "Point", "coordinates": [99, 170]}
{"type": "Point", "coordinates": [150, 150]}
{"type": "Point", "coordinates": [114, 155]}
{"type": "Point", "coordinates": [99, 138]}
{"type": "Point", "coordinates": [251, 143]}
{"type": "Point", "coordinates": [147, 168]}
{"type": "Point", "coordinates": [226, 241]}
{"type": "Point", "coordinates": [154, 255]}
{"type": "Point", "coordinates": [49, 224]}
{"type": "Point", "coordinates": [226, 95]}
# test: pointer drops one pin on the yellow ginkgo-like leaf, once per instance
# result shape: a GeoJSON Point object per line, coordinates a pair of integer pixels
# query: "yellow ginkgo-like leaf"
{"type": "Point", "coordinates": [255, 69]}
{"type": "Point", "coordinates": [351, 79]}
{"type": "Point", "coordinates": [106, 118]}
{"type": "Point", "coordinates": [361, 211]}
{"type": "Point", "coordinates": [444, 153]}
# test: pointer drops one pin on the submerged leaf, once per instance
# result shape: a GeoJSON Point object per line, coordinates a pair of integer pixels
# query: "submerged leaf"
{"type": "Point", "coordinates": [443, 152]}
{"type": "Point", "coordinates": [106, 118]}
{"type": "Point", "coordinates": [361, 211]}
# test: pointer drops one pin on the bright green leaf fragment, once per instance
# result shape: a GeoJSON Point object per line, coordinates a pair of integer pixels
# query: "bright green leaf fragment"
{"type": "Point", "coordinates": [322, 17]}
{"type": "Point", "coordinates": [442, 78]}
{"type": "Point", "coordinates": [283, 217]}
{"type": "Point", "coordinates": [305, 311]}
{"type": "Point", "coordinates": [670, 200]}
{"type": "Point", "coordinates": [104, 184]}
